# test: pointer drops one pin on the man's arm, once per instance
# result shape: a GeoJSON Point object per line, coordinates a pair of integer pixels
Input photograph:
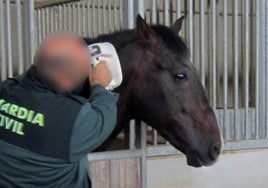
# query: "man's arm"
{"type": "Point", "coordinates": [94, 123]}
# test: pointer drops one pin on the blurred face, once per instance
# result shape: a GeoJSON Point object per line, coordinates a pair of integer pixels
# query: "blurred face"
{"type": "Point", "coordinates": [65, 61]}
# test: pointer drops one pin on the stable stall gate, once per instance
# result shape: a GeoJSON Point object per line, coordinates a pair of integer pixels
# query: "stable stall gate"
{"type": "Point", "coordinates": [229, 47]}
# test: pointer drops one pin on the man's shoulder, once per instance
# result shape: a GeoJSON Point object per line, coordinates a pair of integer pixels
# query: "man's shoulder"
{"type": "Point", "coordinates": [13, 80]}
{"type": "Point", "coordinates": [8, 82]}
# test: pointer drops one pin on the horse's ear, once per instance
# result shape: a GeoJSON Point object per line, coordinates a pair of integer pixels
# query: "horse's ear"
{"type": "Point", "coordinates": [176, 27]}
{"type": "Point", "coordinates": [147, 36]}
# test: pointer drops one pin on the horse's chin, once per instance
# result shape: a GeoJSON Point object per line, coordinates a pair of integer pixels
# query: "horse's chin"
{"type": "Point", "coordinates": [195, 160]}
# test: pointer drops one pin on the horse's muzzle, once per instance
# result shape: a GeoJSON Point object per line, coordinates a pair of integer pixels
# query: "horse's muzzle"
{"type": "Point", "coordinates": [196, 160]}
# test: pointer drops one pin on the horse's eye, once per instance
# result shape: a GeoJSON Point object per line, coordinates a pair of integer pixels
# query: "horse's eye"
{"type": "Point", "coordinates": [181, 76]}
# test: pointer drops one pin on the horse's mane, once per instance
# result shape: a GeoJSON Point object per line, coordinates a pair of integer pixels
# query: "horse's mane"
{"type": "Point", "coordinates": [118, 38]}
{"type": "Point", "coordinates": [121, 38]}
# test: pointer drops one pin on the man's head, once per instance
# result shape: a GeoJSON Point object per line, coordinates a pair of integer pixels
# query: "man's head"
{"type": "Point", "coordinates": [63, 58]}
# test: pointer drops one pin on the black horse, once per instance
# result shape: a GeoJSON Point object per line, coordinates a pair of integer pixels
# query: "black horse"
{"type": "Point", "coordinates": [162, 88]}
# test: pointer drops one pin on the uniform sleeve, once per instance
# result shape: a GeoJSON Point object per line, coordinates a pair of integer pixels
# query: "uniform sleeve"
{"type": "Point", "coordinates": [94, 123]}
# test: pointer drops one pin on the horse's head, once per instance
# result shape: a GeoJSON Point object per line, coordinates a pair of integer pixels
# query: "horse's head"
{"type": "Point", "coordinates": [166, 92]}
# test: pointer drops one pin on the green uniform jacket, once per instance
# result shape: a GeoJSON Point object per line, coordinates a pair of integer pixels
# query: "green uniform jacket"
{"type": "Point", "coordinates": [45, 135]}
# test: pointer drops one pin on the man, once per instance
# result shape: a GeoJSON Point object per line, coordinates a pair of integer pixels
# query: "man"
{"type": "Point", "coordinates": [46, 129]}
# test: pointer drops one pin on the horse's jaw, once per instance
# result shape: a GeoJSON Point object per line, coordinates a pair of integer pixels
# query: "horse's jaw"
{"type": "Point", "coordinates": [192, 156]}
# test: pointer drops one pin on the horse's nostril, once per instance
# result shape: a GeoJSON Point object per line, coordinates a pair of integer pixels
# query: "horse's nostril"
{"type": "Point", "coordinates": [215, 151]}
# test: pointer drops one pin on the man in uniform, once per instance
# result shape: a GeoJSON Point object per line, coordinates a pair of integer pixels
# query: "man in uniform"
{"type": "Point", "coordinates": [46, 128]}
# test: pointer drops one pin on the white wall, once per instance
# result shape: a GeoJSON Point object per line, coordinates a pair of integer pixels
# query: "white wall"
{"type": "Point", "coordinates": [245, 169]}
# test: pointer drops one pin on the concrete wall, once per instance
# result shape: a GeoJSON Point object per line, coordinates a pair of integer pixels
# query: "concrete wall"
{"type": "Point", "coordinates": [245, 169]}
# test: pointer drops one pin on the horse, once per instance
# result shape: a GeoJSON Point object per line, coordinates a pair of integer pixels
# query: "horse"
{"type": "Point", "coordinates": [161, 87]}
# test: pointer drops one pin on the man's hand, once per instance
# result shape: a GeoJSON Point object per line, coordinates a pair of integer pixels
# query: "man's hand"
{"type": "Point", "coordinates": [100, 74]}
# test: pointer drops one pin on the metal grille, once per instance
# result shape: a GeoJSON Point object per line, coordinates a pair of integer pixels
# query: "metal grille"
{"type": "Point", "coordinates": [86, 18]}
{"type": "Point", "coordinates": [16, 37]}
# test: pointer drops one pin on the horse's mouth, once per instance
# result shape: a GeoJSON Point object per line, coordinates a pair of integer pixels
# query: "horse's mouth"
{"type": "Point", "coordinates": [193, 159]}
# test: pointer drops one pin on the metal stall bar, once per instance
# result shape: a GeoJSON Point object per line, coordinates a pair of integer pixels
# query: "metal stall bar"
{"type": "Point", "coordinates": [64, 17]}
{"type": "Point", "coordinates": [69, 13]}
{"type": "Point", "coordinates": [55, 11]}
{"type": "Point", "coordinates": [132, 135]}
{"type": "Point", "coordinates": [104, 16]}
{"type": "Point", "coordinates": [143, 156]}
{"type": "Point", "coordinates": [130, 14]}
{"type": "Point", "coordinates": [61, 22]}
{"type": "Point", "coordinates": [154, 12]}
{"type": "Point", "coordinates": [2, 42]}
{"type": "Point", "coordinates": [38, 26]}
{"type": "Point", "coordinates": [110, 16]}
{"type": "Point", "coordinates": [56, 17]}
{"type": "Point", "coordinates": [154, 137]}
{"type": "Point", "coordinates": [78, 20]}
{"type": "Point", "coordinates": [47, 26]}
{"type": "Point", "coordinates": [115, 18]}
{"type": "Point", "coordinates": [29, 32]}
{"type": "Point", "coordinates": [190, 35]}
{"type": "Point", "coordinates": [260, 69]}
{"type": "Point", "coordinates": [213, 59]}
{"type": "Point", "coordinates": [225, 72]}
{"type": "Point", "coordinates": [202, 41]}
{"type": "Point", "coordinates": [74, 16]}
{"type": "Point", "coordinates": [121, 15]}
{"type": "Point", "coordinates": [83, 19]}
{"type": "Point", "coordinates": [245, 48]}
{"type": "Point", "coordinates": [111, 155]}
{"type": "Point", "coordinates": [19, 37]}
{"type": "Point", "coordinates": [46, 22]}
{"type": "Point", "coordinates": [179, 8]}
{"type": "Point", "coordinates": [141, 9]}
{"type": "Point", "coordinates": [266, 45]}
{"type": "Point", "coordinates": [51, 18]}
{"type": "Point", "coordinates": [93, 19]}
{"type": "Point", "coordinates": [236, 73]}
{"type": "Point", "coordinates": [42, 11]}
{"type": "Point", "coordinates": [99, 17]}
{"type": "Point", "coordinates": [261, 65]}
{"type": "Point", "coordinates": [257, 72]}
{"type": "Point", "coordinates": [166, 13]}
{"type": "Point", "coordinates": [8, 37]}
{"type": "Point", "coordinates": [89, 26]}
{"type": "Point", "coordinates": [110, 28]}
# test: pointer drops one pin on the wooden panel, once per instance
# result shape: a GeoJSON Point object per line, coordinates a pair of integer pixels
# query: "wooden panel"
{"type": "Point", "coordinates": [120, 173]}
{"type": "Point", "coordinates": [100, 174]}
